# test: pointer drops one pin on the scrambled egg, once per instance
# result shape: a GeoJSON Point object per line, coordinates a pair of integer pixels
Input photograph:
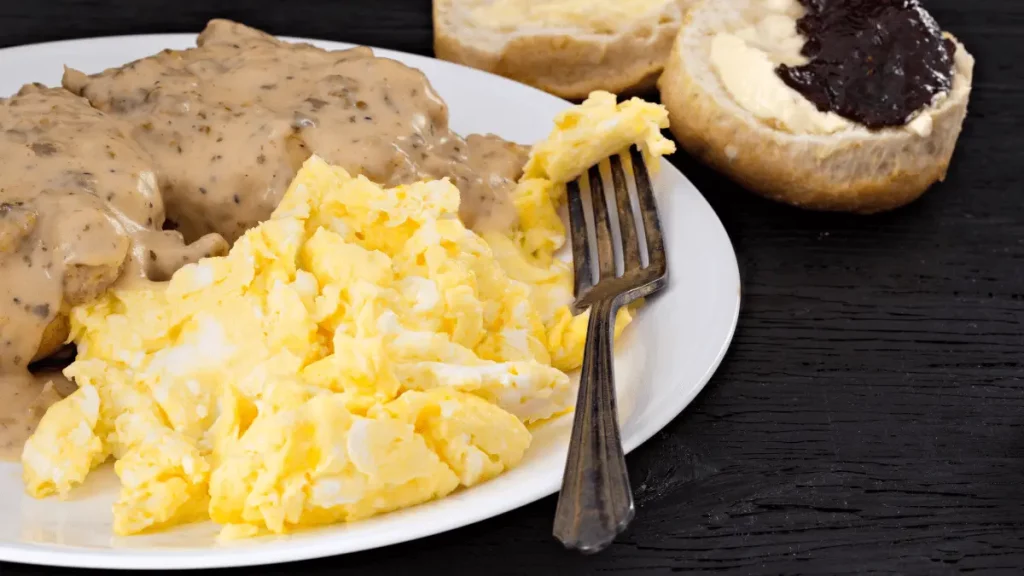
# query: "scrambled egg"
{"type": "Point", "coordinates": [586, 134]}
{"type": "Point", "coordinates": [359, 352]}
{"type": "Point", "coordinates": [583, 136]}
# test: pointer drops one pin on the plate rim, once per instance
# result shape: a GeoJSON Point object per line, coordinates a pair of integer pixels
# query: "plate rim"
{"type": "Point", "coordinates": [163, 558]}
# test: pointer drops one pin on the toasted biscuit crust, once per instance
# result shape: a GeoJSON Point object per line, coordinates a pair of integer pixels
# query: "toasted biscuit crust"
{"type": "Point", "coordinates": [563, 63]}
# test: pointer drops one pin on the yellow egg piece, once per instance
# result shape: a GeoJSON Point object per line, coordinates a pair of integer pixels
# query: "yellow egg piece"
{"type": "Point", "coordinates": [596, 129]}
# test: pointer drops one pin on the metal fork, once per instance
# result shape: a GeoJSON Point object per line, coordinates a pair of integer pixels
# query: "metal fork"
{"type": "Point", "coordinates": [596, 503]}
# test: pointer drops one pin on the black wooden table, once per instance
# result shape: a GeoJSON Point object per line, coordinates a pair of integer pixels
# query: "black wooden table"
{"type": "Point", "coordinates": [870, 414]}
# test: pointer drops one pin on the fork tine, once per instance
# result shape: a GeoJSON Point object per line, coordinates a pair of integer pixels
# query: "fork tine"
{"type": "Point", "coordinates": [648, 212]}
{"type": "Point", "coordinates": [582, 274]}
{"type": "Point", "coordinates": [602, 226]}
{"type": "Point", "coordinates": [627, 224]}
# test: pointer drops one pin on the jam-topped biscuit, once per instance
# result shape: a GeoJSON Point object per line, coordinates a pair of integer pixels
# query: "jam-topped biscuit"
{"type": "Point", "coordinates": [850, 105]}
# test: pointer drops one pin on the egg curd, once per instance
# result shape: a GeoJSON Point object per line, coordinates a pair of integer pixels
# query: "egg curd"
{"type": "Point", "coordinates": [359, 352]}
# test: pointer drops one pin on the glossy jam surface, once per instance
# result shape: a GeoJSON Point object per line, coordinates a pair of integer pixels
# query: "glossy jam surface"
{"type": "Point", "coordinates": [875, 62]}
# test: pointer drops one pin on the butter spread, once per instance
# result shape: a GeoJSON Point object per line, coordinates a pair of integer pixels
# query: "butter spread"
{"type": "Point", "coordinates": [748, 73]}
{"type": "Point", "coordinates": [602, 17]}
{"type": "Point", "coordinates": [746, 60]}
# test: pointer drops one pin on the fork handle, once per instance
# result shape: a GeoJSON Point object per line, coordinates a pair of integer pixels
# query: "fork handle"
{"type": "Point", "coordinates": [596, 502]}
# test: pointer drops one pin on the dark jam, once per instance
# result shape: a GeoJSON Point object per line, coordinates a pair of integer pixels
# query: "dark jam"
{"type": "Point", "coordinates": [875, 62]}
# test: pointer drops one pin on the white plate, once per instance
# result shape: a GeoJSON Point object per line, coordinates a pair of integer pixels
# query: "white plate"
{"type": "Point", "coordinates": [663, 360]}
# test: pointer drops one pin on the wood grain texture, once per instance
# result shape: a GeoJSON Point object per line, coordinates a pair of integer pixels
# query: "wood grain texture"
{"type": "Point", "coordinates": [869, 417]}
